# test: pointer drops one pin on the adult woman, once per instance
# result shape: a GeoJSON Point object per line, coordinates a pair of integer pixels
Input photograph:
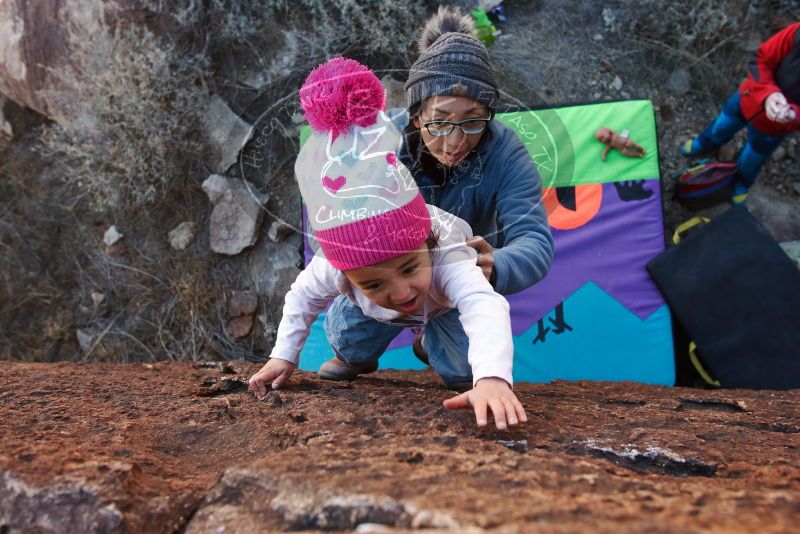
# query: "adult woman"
{"type": "Point", "coordinates": [471, 166]}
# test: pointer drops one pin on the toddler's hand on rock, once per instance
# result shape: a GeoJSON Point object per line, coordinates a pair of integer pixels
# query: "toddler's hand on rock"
{"type": "Point", "coordinates": [491, 394]}
{"type": "Point", "coordinates": [276, 371]}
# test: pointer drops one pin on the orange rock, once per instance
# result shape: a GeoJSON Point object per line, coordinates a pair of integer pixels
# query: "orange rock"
{"type": "Point", "coordinates": [242, 303]}
{"type": "Point", "coordinates": [185, 447]}
{"type": "Point", "coordinates": [239, 327]}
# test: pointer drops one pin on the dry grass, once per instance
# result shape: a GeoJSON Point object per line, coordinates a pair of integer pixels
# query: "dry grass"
{"type": "Point", "coordinates": [126, 120]}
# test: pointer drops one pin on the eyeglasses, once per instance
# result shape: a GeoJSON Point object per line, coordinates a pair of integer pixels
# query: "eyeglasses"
{"type": "Point", "coordinates": [468, 126]}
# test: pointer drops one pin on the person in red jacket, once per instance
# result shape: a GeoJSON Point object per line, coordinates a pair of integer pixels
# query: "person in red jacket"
{"type": "Point", "coordinates": [767, 102]}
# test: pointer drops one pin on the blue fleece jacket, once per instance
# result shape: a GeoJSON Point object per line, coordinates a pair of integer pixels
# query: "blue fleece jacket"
{"type": "Point", "coordinates": [498, 191]}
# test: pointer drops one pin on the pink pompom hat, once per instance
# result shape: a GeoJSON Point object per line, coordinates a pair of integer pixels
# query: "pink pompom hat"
{"type": "Point", "coordinates": [363, 204]}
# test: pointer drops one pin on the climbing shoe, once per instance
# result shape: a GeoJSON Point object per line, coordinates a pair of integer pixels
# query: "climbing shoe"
{"type": "Point", "coordinates": [336, 369]}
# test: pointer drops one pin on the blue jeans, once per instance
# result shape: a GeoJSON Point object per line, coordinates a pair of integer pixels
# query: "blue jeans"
{"type": "Point", "coordinates": [356, 338]}
{"type": "Point", "coordinates": [759, 144]}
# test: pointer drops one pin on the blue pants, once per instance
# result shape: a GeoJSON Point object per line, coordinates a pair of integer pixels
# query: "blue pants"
{"type": "Point", "coordinates": [356, 338]}
{"type": "Point", "coordinates": [759, 144]}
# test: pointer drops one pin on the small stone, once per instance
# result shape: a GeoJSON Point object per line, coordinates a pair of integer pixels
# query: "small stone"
{"type": "Point", "coordinates": [98, 298]}
{"type": "Point", "coordinates": [609, 18]}
{"type": "Point", "coordinates": [679, 82]}
{"type": "Point", "coordinates": [597, 37]}
{"type": "Point", "coordinates": [182, 235]}
{"type": "Point", "coordinates": [278, 231]}
{"type": "Point", "coordinates": [111, 236]}
{"type": "Point", "coordinates": [372, 528]}
{"type": "Point", "coordinates": [241, 303]}
{"type": "Point", "coordinates": [597, 95]}
{"type": "Point", "coordinates": [779, 153]}
{"type": "Point", "coordinates": [625, 94]}
{"type": "Point", "coordinates": [240, 327]}
{"type": "Point", "coordinates": [617, 83]}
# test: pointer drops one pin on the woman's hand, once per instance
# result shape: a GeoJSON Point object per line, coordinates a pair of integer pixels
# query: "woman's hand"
{"type": "Point", "coordinates": [276, 371]}
{"type": "Point", "coordinates": [491, 394]}
{"type": "Point", "coordinates": [485, 258]}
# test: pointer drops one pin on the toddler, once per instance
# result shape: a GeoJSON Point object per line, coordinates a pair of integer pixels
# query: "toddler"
{"type": "Point", "coordinates": [401, 261]}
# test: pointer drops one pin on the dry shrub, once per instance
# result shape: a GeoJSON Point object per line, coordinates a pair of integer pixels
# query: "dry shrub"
{"type": "Point", "coordinates": [37, 276]}
{"type": "Point", "coordinates": [707, 37]}
{"type": "Point", "coordinates": [126, 122]}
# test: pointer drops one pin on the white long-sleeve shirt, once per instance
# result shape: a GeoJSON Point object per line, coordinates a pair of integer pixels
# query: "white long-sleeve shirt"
{"type": "Point", "coordinates": [456, 282]}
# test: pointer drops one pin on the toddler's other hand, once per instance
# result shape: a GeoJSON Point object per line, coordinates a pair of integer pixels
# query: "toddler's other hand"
{"type": "Point", "coordinates": [276, 371]}
{"type": "Point", "coordinates": [494, 394]}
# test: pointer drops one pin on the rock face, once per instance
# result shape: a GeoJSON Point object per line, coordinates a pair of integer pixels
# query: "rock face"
{"type": "Point", "coordinates": [33, 43]}
{"type": "Point", "coordinates": [165, 447]}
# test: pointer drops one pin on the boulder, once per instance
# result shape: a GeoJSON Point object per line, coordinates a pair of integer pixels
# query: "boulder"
{"type": "Point", "coordinates": [242, 303]}
{"type": "Point", "coordinates": [728, 152]}
{"type": "Point", "coordinates": [184, 447]}
{"type": "Point", "coordinates": [34, 45]}
{"type": "Point", "coordinates": [236, 215]}
{"type": "Point", "coordinates": [240, 327]}
{"type": "Point", "coordinates": [227, 133]}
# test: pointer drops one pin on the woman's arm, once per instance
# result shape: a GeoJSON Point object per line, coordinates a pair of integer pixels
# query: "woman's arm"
{"type": "Point", "coordinates": [527, 251]}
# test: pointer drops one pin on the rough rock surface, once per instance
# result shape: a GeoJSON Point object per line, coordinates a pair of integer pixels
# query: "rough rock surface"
{"type": "Point", "coordinates": [182, 235]}
{"type": "Point", "coordinates": [167, 446]}
{"type": "Point", "coordinates": [34, 45]}
{"type": "Point", "coordinates": [237, 213]}
{"type": "Point", "coordinates": [227, 133]}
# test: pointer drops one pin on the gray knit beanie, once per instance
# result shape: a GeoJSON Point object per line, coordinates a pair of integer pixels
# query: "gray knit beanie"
{"type": "Point", "coordinates": [452, 62]}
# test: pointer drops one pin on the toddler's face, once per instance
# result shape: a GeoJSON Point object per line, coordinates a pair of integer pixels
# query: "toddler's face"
{"type": "Point", "coordinates": [399, 284]}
